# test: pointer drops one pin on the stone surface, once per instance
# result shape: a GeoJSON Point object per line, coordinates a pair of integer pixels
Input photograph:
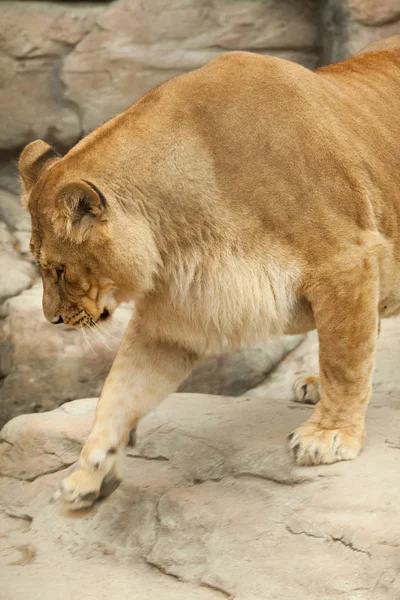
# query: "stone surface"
{"type": "Point", "coordinates": [16, 274]}
{"type": "Point", "coordinates": [22, 242]}
{"type": "Point", "coordinates": [12, 213]}
{"type": "Point", "coordinates": [351, 25]}
{"type": "Point", "coordinates": [35, 38]}
{"type": "Point", "coordinates": [359, 36]}
{"type": "Point", "coordinates": [235, 373]}
{"type": "Point", "coordinates": [375, 12]}
{"type": "Point", "coordinates": [9, 178]}
{"type": "Point", "coordinates": [68, 67]}
{"type": "Point", "coordinates": [7, 240]}
{"type": "Point", "coordinates": [211, 499]}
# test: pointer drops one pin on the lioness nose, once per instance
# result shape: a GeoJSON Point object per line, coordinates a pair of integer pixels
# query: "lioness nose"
{"type": "Point", "coordinates": [59, 320]}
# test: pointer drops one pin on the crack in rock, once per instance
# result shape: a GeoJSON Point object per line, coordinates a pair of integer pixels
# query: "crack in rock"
{"type": "Point", "coordinates": [143, 457]}
{"type": "Point", "coordinates": [31, 479]}
{"type": "Point", "coordinates": [331, 537]}
{"type": "Point", "coordinates": [14, 513]}
{"type": "Point", "coordinates": [306, 533]}
{"type": "Point", "coordinates": [4, 441]}
{"type": "Point", "coordinates": [162, 570]}
{"type": "Point", "coordinates": [217, 589]}
{"type": "Point", "coordinates": [350, 545]}
{"type": "Point", "coordinates": [270, 478]}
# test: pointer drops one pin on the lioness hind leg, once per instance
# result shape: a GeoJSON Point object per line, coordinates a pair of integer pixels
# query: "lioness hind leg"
{"type": "Point", "coordinates": [143, 373]}
{"type": "Point", "coordinates": [345, 308]}
{"type": "Point", "coordinates": [307, 388]}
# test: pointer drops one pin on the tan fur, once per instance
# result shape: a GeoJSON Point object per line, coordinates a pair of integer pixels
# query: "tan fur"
{"type": "Point", "coordinates": [246, 199]}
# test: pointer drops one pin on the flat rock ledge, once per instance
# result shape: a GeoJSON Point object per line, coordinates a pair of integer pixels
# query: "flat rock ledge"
{"type": "Point", "coordinates": [210, 507]}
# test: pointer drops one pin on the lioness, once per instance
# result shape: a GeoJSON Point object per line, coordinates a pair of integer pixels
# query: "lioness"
{"type": "Point", "coordinates": [247, 199]}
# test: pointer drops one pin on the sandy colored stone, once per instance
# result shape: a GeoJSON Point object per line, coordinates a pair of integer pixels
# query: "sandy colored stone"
{"type": "Point", "coordinates": [348, 26]}
{"type": "Point", "coordinates": [235, 373]}
{"type": "Point", "coordinates": [375, 12]}
{"type": "Point", "coordinates": [211, 498]}
{"type": "Point", "coordinates": [67, 68]}
{"type": "Point", "coordinates": [359, 36]}
{"type": "Point", "coordinates": [12, 213]}
{"type": "Point", "coordinates": [7, 240]}
{"type": "Point", "coordinates": [35, 37]}
{"type": "Point", "coordinates": [15, 274]}
{"type": "Point", "coordinates": [22, 242]}
{"type": "Point", "coordinates": [48, 442]}
{"type": "Point", "coordinates": [9, 178]}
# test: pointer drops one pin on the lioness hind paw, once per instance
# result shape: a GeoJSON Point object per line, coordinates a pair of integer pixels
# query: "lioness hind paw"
{"type": "Point", "coordinates": [306, 390]}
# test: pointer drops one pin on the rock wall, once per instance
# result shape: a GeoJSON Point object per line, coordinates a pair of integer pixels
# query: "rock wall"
{"type": "Point", "coordinates": [65, 68]}
{"type": "Point", "coordinates": [68, 67]}
{"type": "Point", "coordinates": [347, 26]}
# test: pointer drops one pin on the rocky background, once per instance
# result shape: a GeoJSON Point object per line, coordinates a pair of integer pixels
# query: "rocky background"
{"type": "Point", "coordinates": [65, 68]}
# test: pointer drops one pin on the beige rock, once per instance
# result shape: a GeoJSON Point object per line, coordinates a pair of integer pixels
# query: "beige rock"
{"type": "Point", "coordinates": [210, 498]}
{"type": "Point", "coordinates": [351, 25]}
{"type": "Point", "coordinates": [12, 213]}
{"type": "Point", "coordinates": [9, 178]}
{"type": "Point", "coordinates": [108, 56]}
{"type": "Point", "coordinates": [15, 274]}
{"type": "Point", "coordinates": [22, 242]}
{"type": "Point", "coordinates": [54, 440]}
{"type": "Point", "coordinates": [375, 12]}
{"type": "Point", "coordinates": [138, 45]}
{"type": "Point", "coordinates": [35, 37]}
{"type": "Point", "coordinates": [233, 374]}
{"type": "Point", "coordinates": [7, 240]}
{"type": "Point", "coordinates": [359, 36]}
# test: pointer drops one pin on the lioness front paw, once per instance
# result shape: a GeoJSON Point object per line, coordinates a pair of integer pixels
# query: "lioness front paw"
{"type": "Point", "coordinates": [310, 444]}
{"type": "Point", "coordinates": [306, 390]}
{"type": "Point", "coordinates": [83, 488]}
{"type": "Point", "coordinates": [99, 477]}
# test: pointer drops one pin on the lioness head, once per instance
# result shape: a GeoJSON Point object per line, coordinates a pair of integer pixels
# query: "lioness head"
{"type": "Point", "coordinates": [91, 257]}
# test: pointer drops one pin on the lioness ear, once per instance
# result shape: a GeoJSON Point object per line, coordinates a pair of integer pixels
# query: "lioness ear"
{"type": "Point", "coordinates": [35, 158]}
{"type": "Point", "coordinates": [83, 205]}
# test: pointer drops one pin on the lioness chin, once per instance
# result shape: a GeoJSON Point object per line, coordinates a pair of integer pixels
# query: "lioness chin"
{"type": "Point", "coordinates": [247, 199]}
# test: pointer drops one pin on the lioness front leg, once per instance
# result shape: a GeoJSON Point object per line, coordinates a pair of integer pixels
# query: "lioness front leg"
{"type": "Point", "coordinates": [346, 312]}
{"type": "Point", "coordinates": [143, 373]}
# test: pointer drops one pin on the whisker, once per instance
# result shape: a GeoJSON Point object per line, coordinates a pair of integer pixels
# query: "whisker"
{"type": "Point", "coordinates": [98, 335]}
{"type": "Point", "coordinates": [104, 330]}
{"type": "Point", "coordinates": [86, 338]}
